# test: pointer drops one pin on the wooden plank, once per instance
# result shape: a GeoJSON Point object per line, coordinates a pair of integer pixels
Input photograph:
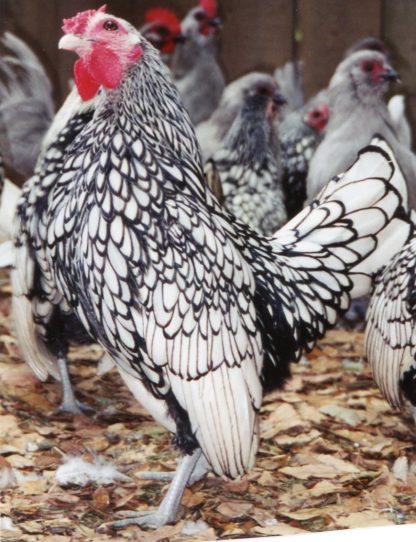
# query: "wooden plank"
{"type": "Point", "coordinates": [256, 35]}
{"type": "Point", "coordinates": [399, 23]}
{"type": "Point", "coordinates": [327, 28]}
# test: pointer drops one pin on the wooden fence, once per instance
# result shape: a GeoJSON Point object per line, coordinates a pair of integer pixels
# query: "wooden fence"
{"type": "Point", "coordinates": [257, 34]}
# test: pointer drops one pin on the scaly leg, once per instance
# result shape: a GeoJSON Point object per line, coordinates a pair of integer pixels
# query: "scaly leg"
{"type": "Point", "coordinates": [69, 402]}
{"type": "Point", "coordinates": [200, 470]}
{"type": "Point", "coordinates": [414, 413]}
{"type": "Point", "coordinates": [168, 508]}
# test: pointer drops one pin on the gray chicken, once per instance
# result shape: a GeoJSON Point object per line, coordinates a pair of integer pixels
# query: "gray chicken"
{"type": "Point", "coordinates": [26, 106]}
{"type": "Point", "coordinates": [248, 163]}
{"type": "Point", "coordinates": [211, 133]}
{"type": "Point", "coordinates": [194, 64]}
{"type": "Point", "coordinates": [358, 111]}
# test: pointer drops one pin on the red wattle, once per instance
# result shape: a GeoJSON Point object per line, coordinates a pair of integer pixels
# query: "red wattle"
{"type": "Point", "coordinates": [86, 85]}
{"type": "Point", "coordinates": [105, 67]}
{"type": "Point", "coordinates": [101, 67]}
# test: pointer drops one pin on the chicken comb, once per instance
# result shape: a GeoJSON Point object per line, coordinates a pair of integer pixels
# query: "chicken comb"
{"type": "Point", "coordinates": [164, 16]}
{"type": "Point", "coordinates": [210, 7]}
{"type": "Point", "coordinates": [78, 23]}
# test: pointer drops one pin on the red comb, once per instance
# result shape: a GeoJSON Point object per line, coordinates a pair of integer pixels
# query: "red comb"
{"type": "Point", "coordinates": [78, 23]}
{"type": "Point", "coordinates": [210, 6]}
{"type": "Point", "coordinates": [164, 16]}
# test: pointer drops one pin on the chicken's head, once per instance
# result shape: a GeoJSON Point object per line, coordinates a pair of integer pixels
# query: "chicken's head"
{"type": "Point", "coordinates": [162, 28]}
{"type": "Point", "coordinates": [106, 45]}
{"type": "Point", "coordinates": [267, 97]}
{"type": "Point", "coordinates": [201, 21]}
{"type": "Point", "coordinates": [317, 117]}
{"type": "Point", "coordinates": [366, 73]}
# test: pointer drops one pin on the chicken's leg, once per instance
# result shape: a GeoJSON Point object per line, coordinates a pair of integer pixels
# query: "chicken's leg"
{"type": "Point", "coordinates": [69, 402]}
{"type": "Point", "coordinates": [201, 469]}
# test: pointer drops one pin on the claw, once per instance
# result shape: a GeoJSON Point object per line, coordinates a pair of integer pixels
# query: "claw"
{"type": "Point", "coordinates": [151, 520]}
{"type": "Point", "coordinates": [166, 513]}
{"type": "Point", "coordinates": [73, 407]}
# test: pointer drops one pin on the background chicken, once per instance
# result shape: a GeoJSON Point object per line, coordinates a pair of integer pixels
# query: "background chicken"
{"type": "Point", "coordinates": [26, 106]}
{"type": "Point", "coordinates": [248, 163]}
{"type": "Point", "coordinates": [358, 110]}
{"type": "Point", "coordinates": [189, 303]}
{"type": "Point", "coordinates": [195, 68]}
{"type": "Point", "coordinates": [53, 327]}
{"type": "Point", "coordinates": [390, 342]}
{"type": "Point", "coordinates": [300, 134]}
{"type": "Point", "coordinates": [211, 133]}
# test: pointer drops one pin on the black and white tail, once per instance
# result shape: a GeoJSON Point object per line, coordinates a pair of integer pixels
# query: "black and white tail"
{"type": "Point", "coordinates": [307, 273]}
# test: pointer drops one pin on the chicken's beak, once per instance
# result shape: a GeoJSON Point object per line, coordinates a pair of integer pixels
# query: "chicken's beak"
{"type": "Point", "coordinates": [72, 42]}
{"type": "Point", "coordinates": [390, 75]}
{"type": "Point", "coordinates": [279, 99]}
{"type": "Point", "coordinates": [179, 38]}
{"type": "Point", "coordinates": [216, 22]}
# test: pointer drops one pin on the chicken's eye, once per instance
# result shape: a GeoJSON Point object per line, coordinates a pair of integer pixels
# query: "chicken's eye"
{"type": "Point", "coordinates": [162, 31]}
{"type": "Point", "coordinates": [110, 25]}
{"type": "Point", "coordinates": [368, 66]}
{"type": "Point", "coordinates": [316, 114]}
{"type": "Point", "coordinates": [264, 90]}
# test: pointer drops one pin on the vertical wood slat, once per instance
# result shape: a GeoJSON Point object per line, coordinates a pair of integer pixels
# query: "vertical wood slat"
{"type": "Point", "coordinates": [327, 28]}
{"type": "Point", "coordinates": [256, 35]}
{"type": "Point", "coordinates": [399, 31]}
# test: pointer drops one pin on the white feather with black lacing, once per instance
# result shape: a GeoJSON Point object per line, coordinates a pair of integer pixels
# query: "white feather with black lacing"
{"type": "Point", "coordinates": [390, 337]}
{"type": "Point", "coordinates": [34, 293]}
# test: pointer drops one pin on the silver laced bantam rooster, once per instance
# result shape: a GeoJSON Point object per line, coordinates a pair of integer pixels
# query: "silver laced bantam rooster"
{"type": "Point", "coordinates": [199, 313]}
{"type": "Point", "coordinates": [390, 336]}
{"type": "Point", "coordinates": [248, 163]}
{"type": "Point", "coordinates": [194, 65]}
